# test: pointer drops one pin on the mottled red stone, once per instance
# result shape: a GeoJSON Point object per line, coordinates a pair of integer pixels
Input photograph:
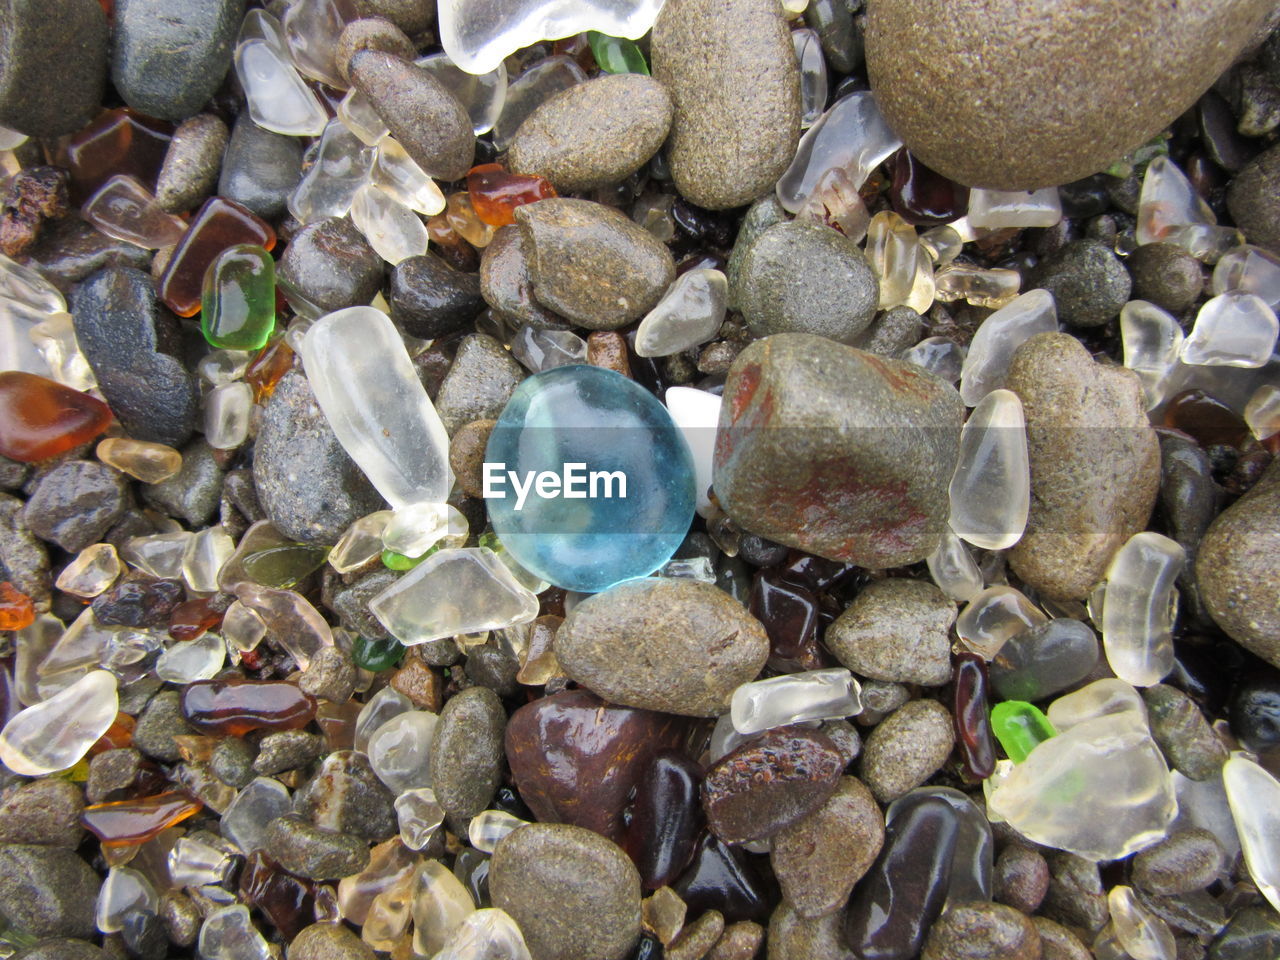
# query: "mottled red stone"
{"type": "Point", "coordinates": [576, 759]}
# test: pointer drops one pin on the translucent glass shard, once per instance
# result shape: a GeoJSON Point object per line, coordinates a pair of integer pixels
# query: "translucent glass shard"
{"type": "Point", "coordinates": [1254, 797]}
{"type": "Point", "coordinates": [393, 230]}
{"type": "Point", "coordinates": [1168, 200]}
{"type": "Point", "coordinates": [245, 821]}
{"type": "Point", "coordinates": [357, 113]}
{"type": "Point", "coordinates": [291, 620]}
{"type": "Point", "coordinates": [1000, 209]}
{"type": "Point", "coordinates": [482, 95]}
{"type": "Point", "coordinates": [852, 135]}
{"type": "Point", "coordinates": [488, 933]}
{"type": "Point", "coordinates": [242, 628]}
{"type": "Point", "coordinates": [440, 904]}
{"type": "Point", "coordinates": [1262, 412]}
{"type": "Point", "coordinates": [361, 542]}
{"type": "Point", "coordinates": [370, 393]}
{"type": "Point", "coordinates": [397, 175]}
{"type": "Point", "coordinates": [415, 529]}
{"type": "Point", "coordinates": [311, 29]}
{"type": "Point", "coordinates": [980, 286]}
{"type": "Point", "coordinates": [198, 659]}
{"type": "Point", "coordinates": [278, 99]}
{"type": "Point", "coordinates": [159, 554]}
{"type": "Point", "coordinates": [343, 164]}
{"type": "Point", "coordinates": [836, 202]}
{"type": "Point", "coordinates": [29, 287]}
{"type": "Point", "coordinates": [1249, 269]}
{"type": "Point", "coordinates": [478, 36]}
{"type": "Point", "coordinates": [992, 347]}
{"type": "Point", "coordinates": [995, 616]}
{"type": "Point", "coordinates": [1232, 330]}
{"type": "Point", "coordinates": [1141, 934]}
{"type": "Point", "coordinates": [689, 314]}
{"type": "Point", "coordinates": [229, 934]}
{"type": "Point", "coordinates": [381, 707]}
{"type": "Point", "coordinates": [941, 356]}
{"type": "Point", "coordinates": [813, 74]}
{"type": "Point", "coordinates": [1140, 606]}
{"type": "Point", "coordinates": [123, 892]}
{"type": "Point", "coordinates": [991, 488]}
{"type": "Point", "coordinates": [55, 339]}
{"type": "Point", "coordinates": [55, 734]}
{"type": "Point", "coordinates": [17, 349]}
{"type": "Point", "coordinates": [419, 816]}
{"type": "Point", "coordinates": [538, 350]}
{"type": "Point", "coordinates": [795, 698]}
{"type": "Point", "coordinates": [892, 251]}
{"type": "Point", "coordinates": [228, 410]}
{"type": "Point", "coordinates": [954, 570]}
{"type": "Point", "coordinates": [1152, 341]}
{"type": "Point", "coordinates": [458, 590]}
{"type": "Point", "coordinates": [400, 750]}
{"type": "Point", "coordinates": [489, 826]}
{"type": "Point", "coordinates": [93, 570]}
{"type": "Point", "coordinates": [207, 551]}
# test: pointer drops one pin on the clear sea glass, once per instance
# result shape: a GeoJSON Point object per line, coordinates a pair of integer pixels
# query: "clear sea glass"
{"type": "Point", "coordinates": [795, 698]}
{"type": "Point", "coordinates": [1140, 606]}
{"type": "Point", "coordinates": [1000, 334]}
{"type": "Point", "coordinates": [990, 490]}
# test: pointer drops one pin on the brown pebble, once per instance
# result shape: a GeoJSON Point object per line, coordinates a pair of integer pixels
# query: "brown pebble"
{"type": "Point", "coordinates": [466, 455]}
{"type": "Point", "coordinates": [419, 683]}
{"type": "Point", "coordinates": [740, 941]}
{"type": "Point", "coordinates": [27, 200]}
{"type": "Point", "coordinates": [371, 33]}
{"type": "Point", "coordinates": [982, 931]}
{"type": "Point", "coordinates": [608, 349]}
{"type": "Point", "coordinates": [1021, 878]}
{"type": "Point", "coordinates": [1059, 943]}
{"type": "Point", "coordinates": [697, 938]}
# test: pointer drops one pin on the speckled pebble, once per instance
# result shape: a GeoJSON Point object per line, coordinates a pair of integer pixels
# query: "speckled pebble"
{"type": "Point", "coordinates": [907, 748]}
{"type": "Point", "coordinates": [982, 931]}
{"type": "Point", "coordinates": [1020, 878]}
{"type": "Point", "coordinates": [1184, 861]}
{"type": "Point", "coordinates": [1088, 282]}
{"type": "Point", "coordinates": [42, 812]}
{"type": "Point", "coordinates": [479, 384]}
{"type": "Point", "coordinates": [896, 630]}
{"type": "Point", "coordinates": [1183, 733]}
{"type": "Point", "coordinates": [191, 163]}
{"type": "Point", "coordinates": [467, 752]}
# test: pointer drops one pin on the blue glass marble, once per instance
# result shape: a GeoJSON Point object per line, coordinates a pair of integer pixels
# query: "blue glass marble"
{"type": "Point", "coordinates": [605, 424]}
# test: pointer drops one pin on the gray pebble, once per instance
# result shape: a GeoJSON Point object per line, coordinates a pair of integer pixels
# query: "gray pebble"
{"type": "Point", "coordinates": [1020, 878]}
{"type": "Point", "coordinates": [411, 16]}
{"type": "Point", "coordinates": [506, 284]}
{"type": "Point", "coordinates": [309, 486]}
{"type": "Point", "coordinates": [574, 894]}
{"type": "Point", "coordinates": [75, 503]}
{"type": "Point", "coordinates": [312, 852]}
{"type": "Point", "coordinates": [1183, 733]}
{"type": "Point", "coordinates": [1253, 198]}
{"type": "Point", "coordinates": [1165, 275]}
{"type": "Point", "coordinates": [1088, 282]}
{"type": "Point", "coordinates": [479, 384]}
{"type": "Point", "coordinates": [192, 494]}
{"type": "Point", "coordinates": [802, 277]}
{"type": "Point", "coordinates": [892, 332]}
{"type": "Point", "coordinates": [591, 263]}
{"type": "Point", "coordinates": [467, 752]}
{"type": "Point", "coordinates": [906, 749]}
{"type": "Point", "coordinates": [13, 474]}
{"type": "Point", "coordinates": [62, 949]}
{"type": "Point", "coordinates": [493, 667]}
{"type": "Point", "coordinates": [192, 162]}
{"type": "Point", "coordinates": [232, 762]}
{"type": "Point", "coordinates": [760, 216]}
{"type": "Point", "coordinates": [883, 697]}
{"type": "Point", "coordinates": [1044, 660]}
{"type": "Point", "coordinates": [159, 723]}
{"type": "Point", "coordinates": [1076, 896]}
{"type": "Point", "coordinates": [431, 299]}
{"type": "Point", "coordinates": [731, 70]}
{"type": "Point", "coordinates": [593, 134]}
{"type": "Point", "coordinates": [47, 891]}
{"type": "Point", "coordinates": [346, 795]}
{"type": "Point", "coordinates": [23, 558]}
{"type": "Point", "coordinates": [181, 917]}
{"type": "Point", "coordinates": [331, 676]}
{"type": "Point", "coordinates": [42, 812]}
{"type": "Point", "coordinates": [982, 931]}
{"type": "Point", "coordinates": [69, 250]}
{"type": "Point", "coordinates": [1183, 862]}
{"type": "Point", "coordinates": [260, 169]}
{"type": "Point", "coordinates": [330, 265]}
{"type": "Point", "coordinates": [53, 65]}
{"type": "Point", "coordinates": [740, 941]}
{"type": "Point", "coordinates": [169, 56]}
{"type": "Point", "coordinates": [111, 773]}
{"type": "Point", "coordinates": [286, 750]}
{"type": "Point", "coordinates": [793, 937]}
{"type": "Point", "coordinates": [329, 941]}
{"type": "Point", "coordinates": [370, 33]}
{"type": "Point", "coordinates": [351, 602]}
{"type": "Point", "coordinates": [896, 630]}
{"type": "Point", "coordinates": [1252, 934]}
{"type": "Point", "coordinates": [423, 116]}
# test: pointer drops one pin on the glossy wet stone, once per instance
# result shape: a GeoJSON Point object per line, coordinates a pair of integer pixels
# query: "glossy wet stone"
{"type": "Point", "coordinates": [1044, 660]}
{"type": "Point", "coordinates": [666, 819]}
{"type": "Point", "coordinates": [40, 418]}
{"type": "Point", "coordinates": [466, 752]}
{"type": "Point", "coordinates": [131, 342]}
{"type": "Point", "coordinates": [236, 707]}
{"type": "Point", "coordinates": [610, 748]}
{"type": "Point", "coordinates": [330, 266]}
{"type": "Point", "coordinates": [595, 133]}
{"type": "Point", "coordinates": [540, 429]}
{"type": "Point", "coordinates": [60, 51]}
{"type": "Point", "coordinates": [574, 895]}
{"type": "Point", "coordinates": [479, 384]}
{"type": "Point", "coordinates": [56, 733]}
{"type": "Point", "coordinates": [311, 852]}
{"type": "Point", "coordinates": [769, 783]}
{"type": "Point", "coordinates": [592, 264]}
{"type": "Point", "coordinates": [430, 299]}
{"type": "Point", "coordinates": [888, 510]}
{"type": "Point", "coordinates": [260, 168]}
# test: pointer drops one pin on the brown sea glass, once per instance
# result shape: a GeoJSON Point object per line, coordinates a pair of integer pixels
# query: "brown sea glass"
{"type": "Point", "coordinates": [496, 192]}
{"type": "Point", "coordinates": [235, 707]}
{"type": "Point", "coordinates": [219, 224]}
{"type": "Point", "coordinates": [118, 736]}
{"type": "Point", "coordinates": [265, 370]}
{"type": "Point", "coordinates": [287, 901]}
{"type": "Point", "coordinates": [40, 418]}
{"type": "Point", "coordinates": [137, 821]}
{"type": "Point", "coordinates": [118, 141]}
{"type": "Point", "coordinates": [194, 618]}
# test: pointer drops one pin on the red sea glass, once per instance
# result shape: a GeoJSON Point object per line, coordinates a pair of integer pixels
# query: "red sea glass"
{"type": "Point", "coordinates": [972, 718]}
{"type": "Point", "coordinates": [219, 224]}
{"type": "Point", "coordinates": [666, 819]}
{"type": "Point", "coordinates": [235, 707]}
{"type": "Point", "coordinates": [40, 418]}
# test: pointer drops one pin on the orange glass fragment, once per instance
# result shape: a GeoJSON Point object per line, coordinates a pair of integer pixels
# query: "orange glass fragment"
{"type": "Point", "coordinates": [496, 192]}
{"type": "Point", "coordinates": [16, 609]}
{"type": "Point", "coordinates": [272, 362]}
{"type": "Point", "coordinates": [127, 822]}
{"type": "Point", "coordinates": [118, 735]}
{"type": "Point", "coordinates": [40, 418]}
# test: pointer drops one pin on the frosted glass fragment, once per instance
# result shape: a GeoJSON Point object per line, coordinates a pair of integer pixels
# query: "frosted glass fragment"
{"type": "Point", "coordinates": [54, 338]}
{"type": "Point", "coordinates": [490, 934]}
{"type": "Point", "coordinates": [370, 393]}
{"type": "Point", "coordinates": [1168, 200]}
{"type": "Point", "coordinates": [311, 29]}
{"type": "Point", "coordinates": [1262, 412]}
{"type": "Point", "coordinates": [357, 114]}
{"type": "Point", "coordinates": [1141, 934]}
{"type": "Point", "coordinates": [278, 99]}
{"type": "Point", "coordinates": [123, 892]}
{"type": "Point", "coordinates": [954, 570]}
{"type": "Point", "coordinates": [397, 175]}
{"type": "Point", "coordinates": [990, 490]}
{"type": "Point", "coordinates": [419, 816]}
{"type": "Point", "coordinates": [537, 350]}
{"type": "Point", "coordinates": [697, 414]}
{"type": "Point", "coordinates": [32, 644]}
{"type": "Point", "coordinates": [29, 287]}
{"type": "Point", "coordinates": [813, 74]}
{"type": "Point", "coordinates": [343, 164]}
{"type": "Point", "coordinates": [482, 95]}
{"type": "Point", "coordinates": [987, 362]}
{"type": "Point", "coordinates": [223, 366]}
{"type": "Point", "coordinates": [400, 750]}
{"type": "Point", "coordinates": [478, 36]}
{"type": "Point", "coordinates": [361, 543]}
{"type": "Point", "coordinates": [193, 863]}
{"type": "Point", "coordinates": [81, 645]}
{"type": "Point", "coordinates": [1001, 209]}
{"type": "Point", "coordinates": [535, 86]}
{"type": "Point", "coordinates": [125, 209]}
{"type": "Point", "coordinates": [942, 244]}
{"type": "Point", "coordinates": [1254, 797]}
{"type": "Point", "coordinates": [1103, 698]}
{"type": "Point", "coordinates": [207, 551]}
{"type": "Point", "coordinates": [454, 591]}
{"type": "Point", "coordinates": [190, 660]}
{"type": "Point", "coordinates": [941, 356]}
{"type": "Point", "coordinates": [892, 250]}
{"type": "Point", "coordinates": [229, 934]}
{"type": "Point", "coordinates": [1206, 242]}
{"type": "Point", "coordinates": [688, 315]}
{"type": "Point", "coordinates": [440, 904]}
{"type": "Point", "coordinates": [836, 202]}
{"type": "Point", "coordinates": [852, 135]}
{"type": "Point", "coordinates": [1141, 602]}
{"type": "Point", "coordinates": [55, 734]}
{"type": "Point", "coordinates": [924, 287]}
{"type": "Point", "coordinates": [388, 917]}
{"type": "Point", "coordinates": [381, 707]}
{"type": "Point", "coordinates": [979, 286]}
{"type": "Point", "coordinates": [296, 624]}
{"type": "Point", "coordinates": [489, 826]}
{"type": "Point", "coordinates": [140, 459]}
{"type": "Point", "coordinates": [995, 616]}
{"type": "Point", "coordinates": [1152, 341]}
{"type": "Point", "coordinates": [228, 410]}
{"type": "Point", "coordinates": [393, 230]}
{"type": "Point", "coordinates": [794, 698]}
{"type": "Point", "coordinates": [242, 628]}
{"type": "Point", "coordinates": [159, 554]}
{"type": "Point", "coordinates": [245, 821]}
{"type": "Point", "coordinates": [18, 350]}
{"type": "Point", "coordinates": [93, 570]}
{"type": "Point", "coordinates": [1232, 330]}
{"type": "Point", "coordinates": [415, 529]}
{"type": "Point", "coordinates": [1248, 269]}
{"type": "Point", "coordinates": [1099, 789]}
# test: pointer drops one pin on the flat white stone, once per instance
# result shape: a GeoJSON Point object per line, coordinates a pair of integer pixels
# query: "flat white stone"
{"type": "Point", "coordinates": [697, 414]}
